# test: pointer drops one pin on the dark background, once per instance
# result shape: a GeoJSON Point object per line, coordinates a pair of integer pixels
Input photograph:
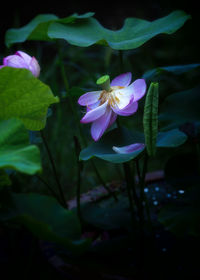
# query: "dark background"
{"type": "Point", "coordinates": [110, 14]}
{"type": "Point", "coordinates": [184, 43]}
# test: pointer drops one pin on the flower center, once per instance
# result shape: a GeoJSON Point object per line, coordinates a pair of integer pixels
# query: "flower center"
{"type": "Point", "coordinates": [110, 96]}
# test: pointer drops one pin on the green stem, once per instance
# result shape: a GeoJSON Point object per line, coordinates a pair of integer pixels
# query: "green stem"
{"type": "Point", "coordinates": [71, 103]}
{"type": "Point", "coordinates": [127, 174]}
{"type": "Point", "coordinates": [102, 181]}
{"type": "Point", "coordinates": [77, 147]}
{"type": "Point", "coordinates": [138, 169]}
{"type": "Point", "coordinates": [130, 185]}
{"type": "Point", "coordinates": [74, 112]}
{"type": "Point", "coordinates": [78, 195]}
{"type": "Point", "coordinates": [141, 209]}
{"type": "Point", "coordinates": [48, 187]}
{"type": "Point", "coordinates": [142, 181]}
{"type": "Point", "coordinates": [143, 194]}
{"type": "Point", "coordinates": [62, 196]}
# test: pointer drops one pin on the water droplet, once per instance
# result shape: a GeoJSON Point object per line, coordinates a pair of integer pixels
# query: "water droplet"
{"type": "Point", "coordinates": [146, 190]}
{"type": "Point", "coordinates": [155, 202]}
{"type": "Point", "coordinates": [157, 189]}
{"type": "Point", "coordinates": [181, 191]}
{"type": "Point", "coordinates": [169, 195]}
{"type": "Point", "coordinates": [175, 197]}
{"type": "Point", "coordinates": [164, 249]}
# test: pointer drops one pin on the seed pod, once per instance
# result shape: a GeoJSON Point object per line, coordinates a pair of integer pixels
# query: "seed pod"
{"type": "Point", "coordinates": [150, 118]}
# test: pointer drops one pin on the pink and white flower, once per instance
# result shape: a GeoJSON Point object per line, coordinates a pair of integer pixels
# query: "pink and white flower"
{"type": "Point", "coordinates": [22, 60]}
{"type": "Point", "coordinates": [103, 106]}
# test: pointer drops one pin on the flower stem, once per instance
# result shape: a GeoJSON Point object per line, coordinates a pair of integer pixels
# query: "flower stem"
{"type": "Point", "coordinates": [130, 184]}
{"type": "Point", "coordinates": [127, 174]}
{"type": "Point", "coordinates": [48, 187]}
{"type": "Point", "coordinates": [77, 147]}
{"type": "Point", "coordinates": [74, 112]}
{"type": "Point", "coordinates": [102, 181]}
{"type": "Point", "coordinates": [141, 209]}
{"type": "Point", "coordinates": [62, 196]}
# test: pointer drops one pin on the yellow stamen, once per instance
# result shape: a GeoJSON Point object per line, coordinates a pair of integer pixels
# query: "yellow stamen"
{"type": "Point", "coordinates": [110, 96]}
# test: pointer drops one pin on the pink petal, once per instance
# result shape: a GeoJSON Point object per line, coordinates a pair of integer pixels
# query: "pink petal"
{"type": "Point", "coordinates": [122, 80]}
{"type": "Point", "coordinates": [130, 109]}
{"type": "Point", "coordinates": [128, 149]}
{"type": "Point", "coordinates": [139, 89]}
{"type": "Point", "coordinates": [94, 114]}
{"type": "Point", "coordinates": [34, 67]}
{"type": "Point", "coordinates": [15, 61]}
{"type": "Point", "coordinates": [1, 66]}
{"type": "Point", "coordinates": [89, 98]}
{"type": "Point", "coordinates": [27, 58]}
{"type": "Point", "coordinates": [93, 106]}
{"type": "Point", "coordinates": [112, 118]}
{"type": "Point", "coordinates": [99, 126]}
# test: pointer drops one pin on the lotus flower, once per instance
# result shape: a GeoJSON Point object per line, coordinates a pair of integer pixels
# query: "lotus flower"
{"type": "Point", "coordinates": [120, 97]}
{"type": "Point", "coordinates": [22, 60]}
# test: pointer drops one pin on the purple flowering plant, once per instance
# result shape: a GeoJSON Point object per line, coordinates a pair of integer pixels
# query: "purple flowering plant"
{"type": "Point", "coordinates": [115, 120]}
{"type": "Point", "coordinates": [120, 97]}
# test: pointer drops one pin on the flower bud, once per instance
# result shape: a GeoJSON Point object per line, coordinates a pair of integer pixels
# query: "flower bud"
{"type": "Point", "coordinates": [22, 60]}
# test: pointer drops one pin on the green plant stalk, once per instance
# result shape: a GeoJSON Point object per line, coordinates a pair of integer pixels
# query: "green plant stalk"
{"type": "Point", "coordinates": [66, 83]}
{"type": "Point", "coordinates": [62, 196]}
{"type": "Point", "coordinates": [102, 182]}
{"type": "Point", "coordinates": [141, 208]}
{"type": "Point", "coordinates": [145, 198]}
{"type": "Point", "coordinates": [127, 173]}
{"type": "Point", "coordinates": [48, 187]}
{"type": "Point", "coordinates": [78, 194]}
{"type": "Point", "coordinates": [74, 111]}
{"type": "Point", "coordinates": [129, 185]}
{"type": "Point", "coordinates": [80, 166]}
{"type": "Point", "coordinates": [138, 168]}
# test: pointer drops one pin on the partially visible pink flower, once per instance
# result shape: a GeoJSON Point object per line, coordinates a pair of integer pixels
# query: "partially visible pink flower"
{"type": "Point", "coordinates": [22, 60]}
{"type": "Point", "coordinates": [129, 148]}
{"type": "Point", "coordinates": [104, 106]}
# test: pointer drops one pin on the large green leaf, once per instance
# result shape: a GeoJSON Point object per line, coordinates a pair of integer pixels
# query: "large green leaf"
{"type": "Point", "coordinates": [108, 214]}
{"type": "Point", "coordinates": [123, 137]}
{"type": "Point", "coordinates": [150, 118]}
{"type": "Point", "coordinates": [175, 69]}
{"type": "Point", "coordinates": [171, 138]}
{"type": "Point", "coordinates": [179, 108]}
{"type": "Point", "coordinates": [85, 30]}
{"type": "Point", "coordinates": [15, 150]}
{"type": "Point", "coordinates": [133, 34]}
{"type": "Point", "coordinates": [46, 219]}
{"type": "Point", "coordinates": [24, 97]}
{"type": "Point", "coordinates": [37, 29]}
{"type": "Point", "coordinates": [103, 148]}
